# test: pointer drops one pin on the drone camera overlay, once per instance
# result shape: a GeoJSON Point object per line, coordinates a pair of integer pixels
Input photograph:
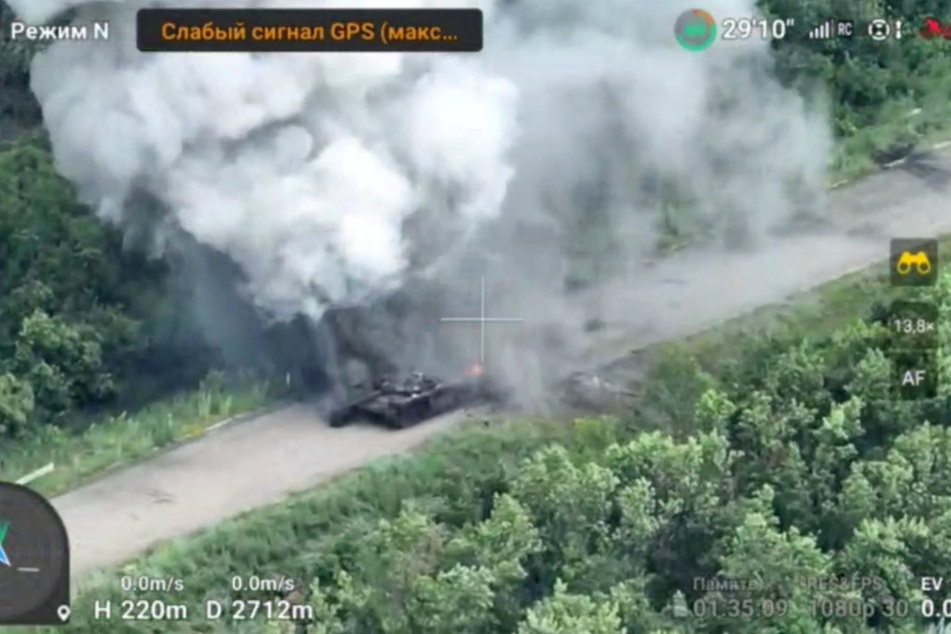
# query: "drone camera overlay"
{"type": "Point", "coordinates": [475, 317]}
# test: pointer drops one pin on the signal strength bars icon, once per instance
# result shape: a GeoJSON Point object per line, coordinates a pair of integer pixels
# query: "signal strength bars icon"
{"type": "Point", "coordinates": [824, 31]}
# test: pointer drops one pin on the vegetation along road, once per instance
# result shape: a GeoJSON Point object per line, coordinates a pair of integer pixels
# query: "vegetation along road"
{"type": "Point", "coordinates": [262, 460]}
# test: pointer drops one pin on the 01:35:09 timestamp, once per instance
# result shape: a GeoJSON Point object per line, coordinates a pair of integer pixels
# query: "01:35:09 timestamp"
{"type": "Point", "coordinates": [823, 608]}
{"type": "Point", "coordinates": [736, 608]}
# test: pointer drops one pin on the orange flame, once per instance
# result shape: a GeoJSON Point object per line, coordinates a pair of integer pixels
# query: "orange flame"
{"type": "Point", "coordinates": [475, 369]}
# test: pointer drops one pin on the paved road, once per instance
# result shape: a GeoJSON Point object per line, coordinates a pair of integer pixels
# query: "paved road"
{"type": "Point", "coordinates": [258, 462]}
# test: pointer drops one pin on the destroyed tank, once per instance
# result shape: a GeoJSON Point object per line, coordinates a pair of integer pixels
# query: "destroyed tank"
{"type": "Point", "coordinates": [417, 398]}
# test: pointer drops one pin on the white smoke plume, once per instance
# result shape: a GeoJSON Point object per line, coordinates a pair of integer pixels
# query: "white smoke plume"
{"type": "Point", "coordinates": [332, 178]}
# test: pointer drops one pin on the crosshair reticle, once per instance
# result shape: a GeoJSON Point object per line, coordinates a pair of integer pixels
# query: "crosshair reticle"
{"type": "Point", "coordinates": [34, 559]}
{"type": "Point", "coordinates": [482, 320]}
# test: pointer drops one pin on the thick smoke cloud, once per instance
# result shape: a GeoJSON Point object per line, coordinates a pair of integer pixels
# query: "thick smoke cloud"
{"type": "Point", "coordinates": [336, 179]}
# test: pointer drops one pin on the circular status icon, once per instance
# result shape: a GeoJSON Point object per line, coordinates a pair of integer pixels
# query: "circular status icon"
{"type": "Point", "coordinates": [695, 29]}
{"type": "Point", "coordinates": [34, 560]}
{"type": "Point", "coordinates": [879, 30]}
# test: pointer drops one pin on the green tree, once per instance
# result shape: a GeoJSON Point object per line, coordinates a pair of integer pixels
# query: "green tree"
{"type": "Point", "coordinates": [564, 613]}
{"type": "Point", "coordinates": [16, 405]}
{"type": "Point", "coordinates": [63, 363]}
{"type": "Point", "coordinates": [72, 300]}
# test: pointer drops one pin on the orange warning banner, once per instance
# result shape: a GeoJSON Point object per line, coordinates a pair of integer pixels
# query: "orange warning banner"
{"type": "Point", "coordinates": [309, 30]}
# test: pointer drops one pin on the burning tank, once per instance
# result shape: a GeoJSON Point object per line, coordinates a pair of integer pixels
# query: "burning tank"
{"type": "Point", "coordinates": [417, 398]}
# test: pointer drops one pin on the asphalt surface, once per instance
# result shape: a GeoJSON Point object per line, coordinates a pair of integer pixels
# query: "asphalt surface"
{"type": "Point", "coordinates": [261, 461]}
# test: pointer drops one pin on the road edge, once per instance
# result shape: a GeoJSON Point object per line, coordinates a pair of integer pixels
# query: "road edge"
{"type": "Point", "coordinates": [179, 442]}
{"type": "Point", "coordinates": [887, 166]}
{"type": "Point", "coordinates": [226, 422]}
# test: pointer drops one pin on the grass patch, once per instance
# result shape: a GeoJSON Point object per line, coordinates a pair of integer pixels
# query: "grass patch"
{"type": "Point", "coordinates": [125, 437]}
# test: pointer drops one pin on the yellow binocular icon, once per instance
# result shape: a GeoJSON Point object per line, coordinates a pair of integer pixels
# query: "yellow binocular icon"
{"type": "Point", "coordinates": [919, 261]}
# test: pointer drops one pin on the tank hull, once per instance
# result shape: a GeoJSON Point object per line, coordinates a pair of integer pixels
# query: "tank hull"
{"type": "Point", "coordinates": [399, 409]}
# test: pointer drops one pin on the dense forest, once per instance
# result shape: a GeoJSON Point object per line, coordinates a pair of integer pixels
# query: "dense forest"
{"type": "Point", "coordinates": [782, 465]}
{"type": "Point", "coordinates": [883, 96]}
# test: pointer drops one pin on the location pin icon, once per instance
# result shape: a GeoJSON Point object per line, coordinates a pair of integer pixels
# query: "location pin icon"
{"type": "Point", "coordinates": [63, 613]}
